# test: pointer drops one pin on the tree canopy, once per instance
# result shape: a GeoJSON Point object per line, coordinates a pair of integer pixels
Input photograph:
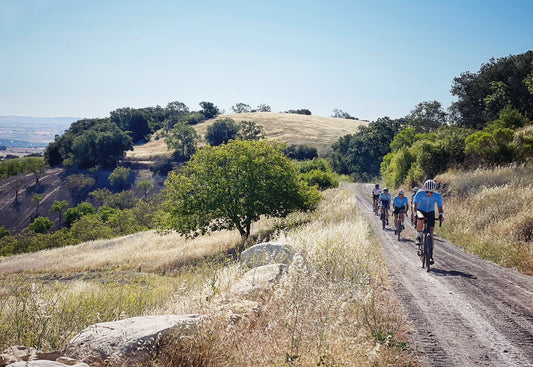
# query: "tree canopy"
{"type": "Point", "coordinates": [232, 185]}
{"type": "Point", "coordinates": [498, 83]}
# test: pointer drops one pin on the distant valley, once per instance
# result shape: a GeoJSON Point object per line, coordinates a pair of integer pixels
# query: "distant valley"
{"type": "Point", "coordinates": [31, 132]}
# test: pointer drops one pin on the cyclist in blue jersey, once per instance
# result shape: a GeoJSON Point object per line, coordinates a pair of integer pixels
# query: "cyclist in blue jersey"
{"type": "Point", "coordinates": [400, 204]}
{"type": "Point", "coordinates": [385, 198]}
{"type": "Point", "coordinates": [424, 205]}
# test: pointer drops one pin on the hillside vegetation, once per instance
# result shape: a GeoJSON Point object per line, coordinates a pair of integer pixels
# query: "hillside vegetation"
{"type": "Point", "coordinates": [489, 213]}
{"type": "Point", "coordinates": [292, 129]}
{"type": "Point", "coordinates": [335, 310]}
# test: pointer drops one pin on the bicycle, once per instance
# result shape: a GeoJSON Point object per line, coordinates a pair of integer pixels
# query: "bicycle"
{"type": "Point", "coordinates": [375, 205]}
{"type": "Point", "coordinates": [425, 248]}
{"type": "Point", "coordinates": [382, 217]}
{"type": "Point", "coordinates": [400, 224]}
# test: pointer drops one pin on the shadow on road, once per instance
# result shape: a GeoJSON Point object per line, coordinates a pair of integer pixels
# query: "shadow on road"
{"type": "Point", "coordinates": [452, 273]}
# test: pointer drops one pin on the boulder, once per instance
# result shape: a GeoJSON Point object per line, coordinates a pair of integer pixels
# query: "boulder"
{"type": "Point", "coordinates": [18, 356]}
{"type": "Point", "coordinates": [125, 342]}
{"type": "Point", "coordinates": [261, 278]}
{"type": "Point", "coordinates": [267, 253]}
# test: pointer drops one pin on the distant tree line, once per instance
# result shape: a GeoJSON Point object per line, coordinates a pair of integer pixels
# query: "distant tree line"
{"type": "Point", "coordinates": [103, 142]}
{"type": "Point", "coordinates": [489, 124]}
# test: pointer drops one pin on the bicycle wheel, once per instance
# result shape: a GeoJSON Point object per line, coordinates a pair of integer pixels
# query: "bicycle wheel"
{"type": "Point", "coordinates": [399, 230]}
{"type": "Point", "coordinates": [427, 250]}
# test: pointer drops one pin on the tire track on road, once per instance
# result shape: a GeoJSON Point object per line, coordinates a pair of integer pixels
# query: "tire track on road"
{"type": "Point", "coordinates": [466, 311]}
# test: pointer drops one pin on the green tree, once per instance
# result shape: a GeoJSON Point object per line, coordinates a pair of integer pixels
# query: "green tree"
{"type": "Point", "coordinates": [4, 232]}
{"type": "Point", "coordinates": [59, 206]}
{"type": "Point", "coordinates": [182, 139]}
{"type": "Point", "coordinates": [89, 228]}
{"type": "Point", "coordinates": [498, 83]}
{"type": "Point", "coordinates": [427, 116]}
{"type": "Point", "coordinates": [36, 199]}
{"type": "Point", "coordinates": [360, 154]}
{"type": "Point", "coordinates": [35, 165]}
{"type": "Point", "coordinates": [340, 114]}
{"type": "Point", "coordinates": [232, 185]}
{"type": "Point", "coordinates": [41, 225]}
{"type": "Point", "coordinates": [145, 186]}
{"type": "Point", "coordinates": [221, 131]}
{"type": "Point", "coordinates": [491, 146]}
{"type": "Point", "coordinates": [17, 186]}
{"type": "Point", "coordinates": [120, 177]}
{"type": "Point", "coordinates": [209, 110]}
{"type": "Point", "coordinates": [77, 182]}
{"type": "Point", "coordinates": [241, 108]}
{"type": "Point", "coordinates": [263, 108]}
{"type": "Point", "coordinates": [74, 214]}
{"type": "Point", "coordinates": [135, 121]}
{"type": "Point", "coordinates": [249, 130]}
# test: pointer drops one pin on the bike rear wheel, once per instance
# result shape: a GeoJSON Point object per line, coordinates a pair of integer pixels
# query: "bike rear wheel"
{"type": "Point", "coordinates": [427, 251]}
{"type": "Point", "coordinates": [399, 229]}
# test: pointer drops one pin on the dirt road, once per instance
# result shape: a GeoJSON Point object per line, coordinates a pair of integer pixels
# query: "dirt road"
{"type": "Point", "coordinates": [466, 311]}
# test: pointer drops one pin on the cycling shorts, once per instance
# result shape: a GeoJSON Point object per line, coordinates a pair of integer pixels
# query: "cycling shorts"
{"type": "Point", "coordinates": [429, 216]}
{"type": "Point", "coordinates": [385, 204]}
{"type": "Point", "coordinates": [376, 197]}
{"type": "Point", "coordinates": [398, 209]}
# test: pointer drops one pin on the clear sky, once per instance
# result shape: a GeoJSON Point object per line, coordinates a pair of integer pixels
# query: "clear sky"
{"type": "Point", "coordinates": [85, 58]}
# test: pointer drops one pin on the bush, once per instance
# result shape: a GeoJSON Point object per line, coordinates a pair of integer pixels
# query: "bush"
{"type": "Point", "coordinates": [301, 152]}
{"type": "Point", "coordinates": [324, 180]}
{"type": "Point", "coordinates": [41, 225]}
{"type": "Point", "coordinates": [221, 132]}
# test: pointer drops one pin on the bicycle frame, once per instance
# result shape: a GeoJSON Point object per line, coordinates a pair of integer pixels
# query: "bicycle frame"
{"type": "Point", "coordinates": [400, 224]}
{"type": "Point", "coordinates": [426, 246]}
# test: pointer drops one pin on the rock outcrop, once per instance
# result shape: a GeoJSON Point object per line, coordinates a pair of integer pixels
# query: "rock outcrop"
{"type": "Point", "coordinates": [126, 341]}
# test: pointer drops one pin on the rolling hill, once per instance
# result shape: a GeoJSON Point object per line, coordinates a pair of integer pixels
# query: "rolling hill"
{"type": "Point", "coordinates": [316, 131]}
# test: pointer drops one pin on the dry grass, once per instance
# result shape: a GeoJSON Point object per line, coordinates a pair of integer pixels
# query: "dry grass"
{"type": "Point", "coordinates": [489, 214]}
{"type": "Point", "coordinates": [333, 308]}
{"type": "Point", "coordinates": [315, 131]}
{"type": "Point", "coordinates": [146, 251]}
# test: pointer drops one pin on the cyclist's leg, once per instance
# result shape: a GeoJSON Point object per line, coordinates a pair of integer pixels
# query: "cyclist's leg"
{"type": "Point", "coordinates": [421, 218]}
{"type": "Point", "coordinates": [395, 212]}
{"type": "Point", "coordinates": [431, 225]}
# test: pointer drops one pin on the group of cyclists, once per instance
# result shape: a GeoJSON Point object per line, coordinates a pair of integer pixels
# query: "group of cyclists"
{"type": "Point", "coordinates": [422, 206]}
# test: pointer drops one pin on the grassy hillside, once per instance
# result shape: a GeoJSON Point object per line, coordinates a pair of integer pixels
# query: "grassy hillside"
{"type": "Point", "coordinates": [315, 131]}
{"type": "Point", "coordinates": [334, 308]}
{"type": "Point", "coordinates": [488, 212]}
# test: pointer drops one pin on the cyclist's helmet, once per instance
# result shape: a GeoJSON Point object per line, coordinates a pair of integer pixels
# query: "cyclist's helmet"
{"type": "Point", "coordinates": [385, 189]}
{"type": "Point", "coordinates": [401, 192]}
{"type": "Point", "coordinates": [377, 185]}
{"type": "Point", "coordinates": [415, 189]}
{"type": "Point", "coordinates": [430, 185]}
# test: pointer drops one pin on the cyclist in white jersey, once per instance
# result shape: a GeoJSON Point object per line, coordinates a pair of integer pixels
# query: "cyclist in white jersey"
{"type": "Point", "coordinates": [376, 191]}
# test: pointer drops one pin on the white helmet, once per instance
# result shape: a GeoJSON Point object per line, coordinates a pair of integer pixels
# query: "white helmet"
{"type": "Point", "coordinates": [430, 185]}
{"type": "Point", "coordinates": [415, 189]}
{"type": "Point", "coordinates": [401, 192]}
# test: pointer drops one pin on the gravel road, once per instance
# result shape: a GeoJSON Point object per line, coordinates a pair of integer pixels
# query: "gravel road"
{"type": "Point", "coordinates": [466, 311]}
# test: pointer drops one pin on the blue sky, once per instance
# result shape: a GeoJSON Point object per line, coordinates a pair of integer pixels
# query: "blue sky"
{"type": "Point", "coordinates": [368, 58]}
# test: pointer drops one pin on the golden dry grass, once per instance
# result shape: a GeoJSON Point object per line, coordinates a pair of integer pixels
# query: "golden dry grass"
{"type": "Point", "coordinates": [148, 251]}
{"type": "Point", "coordinates": [333, 308]}
{"type": "Point", "coordinates": [316, 131]}
{"type": "Point", "coordinates": [488, 213]}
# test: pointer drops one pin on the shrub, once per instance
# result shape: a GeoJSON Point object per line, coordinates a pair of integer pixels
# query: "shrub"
{"type": "Point", "coordinates": [324, 180]}
{"type": "Point", "coordinates": [41, 225]}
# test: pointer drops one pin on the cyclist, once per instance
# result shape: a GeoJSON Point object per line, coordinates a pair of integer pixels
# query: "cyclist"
{"type": "Point", "coordinates": [376, 191]}
{"type": "Point", "coordinates": [400, 205]}
{"type": "Point", "coordinates": [385, 199]}
{"type": "Point", "coordinates": [424, 205]}
{"type": "Point", "coordinates": [413, 212]}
